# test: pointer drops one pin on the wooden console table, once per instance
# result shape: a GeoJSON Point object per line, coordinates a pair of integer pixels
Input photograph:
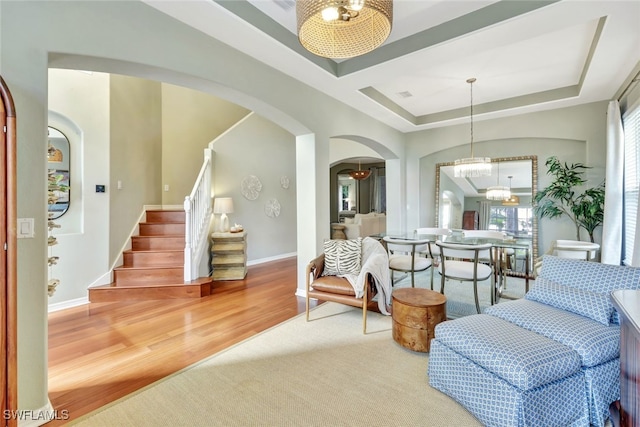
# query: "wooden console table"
{"type": "Point", "coordinates": [627, 303]}
{"type": "Point", "coordinates": [229, 255]}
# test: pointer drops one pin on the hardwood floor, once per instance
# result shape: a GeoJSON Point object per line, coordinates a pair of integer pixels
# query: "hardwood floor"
{"type": "Point", "coordinates": [100, 352]}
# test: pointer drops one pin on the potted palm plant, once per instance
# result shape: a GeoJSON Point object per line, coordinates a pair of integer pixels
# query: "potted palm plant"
{"type": "Point", "coordinates": [563, 197]}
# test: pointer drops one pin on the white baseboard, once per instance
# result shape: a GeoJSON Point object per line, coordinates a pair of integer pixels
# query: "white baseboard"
{"type": "Point", "coordinates": [40, 416]}
{"type": "Point", "coordinates": [273, 258]}
{"type": "Point", "coordinates": [67, 304]}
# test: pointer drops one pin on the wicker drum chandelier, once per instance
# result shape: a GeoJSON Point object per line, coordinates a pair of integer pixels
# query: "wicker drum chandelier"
{"type": "Point", "coordinates": [360, 174]}
{"type": "Point", "coordinates": [342, 29]}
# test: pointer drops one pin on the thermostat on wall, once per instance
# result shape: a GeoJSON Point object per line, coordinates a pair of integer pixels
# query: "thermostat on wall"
{"type": "Point", "coordinates": [100, 188]}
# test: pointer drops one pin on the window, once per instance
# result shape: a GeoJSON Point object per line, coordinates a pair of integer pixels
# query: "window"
{"type": "Point", "coordinates": [514, 220]}
{"type": "Point", "coordinates": [446, 211]}
{"type": "Point", "coordinates": [631, 126]}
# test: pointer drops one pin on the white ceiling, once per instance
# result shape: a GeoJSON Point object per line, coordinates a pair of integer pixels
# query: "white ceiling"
{"type": "Point", "coordinates": [526, 55]}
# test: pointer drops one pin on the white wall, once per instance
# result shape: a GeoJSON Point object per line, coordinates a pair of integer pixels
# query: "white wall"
{"type": "Point", "coordinates": [190, 120]}
{"type": "Point", "coordinates": [135, 153]}
{"type": "Point", "coordinates": [79, 105]}
{"type": "Point", "coordinates": [257, 147]}
{"type": "Point", "coordinates": [105, 36]}
{"type": "Point", "coordinates": [574, 134]}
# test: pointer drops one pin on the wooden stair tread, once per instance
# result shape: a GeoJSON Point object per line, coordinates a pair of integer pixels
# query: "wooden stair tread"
{"type": "Point", "coordinates": [198, 281]}
{"type": "Point", "coordinates": [161, 222]}
{"type": "Point", "coordinates": [146, 251]}
{"type": "Point", "coordinates": [154, 266]}
{"type": "Point", "coordinates": [161, 236]}
{"type": "Point", "coordinates": [198, 288]}
{"type": "Point", "coordinates": [163, 267]}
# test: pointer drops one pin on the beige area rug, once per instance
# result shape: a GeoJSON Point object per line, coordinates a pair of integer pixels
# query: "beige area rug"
{"type": "Point", "coordinates": [460, 300]}
{"type": "Point", "coordinates": [321, 373]}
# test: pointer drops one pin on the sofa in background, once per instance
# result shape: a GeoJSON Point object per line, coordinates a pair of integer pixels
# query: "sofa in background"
{"type": "Point", "coordinates": [551, 358]}
{"type": "Point", "coordinates": [363, 225]}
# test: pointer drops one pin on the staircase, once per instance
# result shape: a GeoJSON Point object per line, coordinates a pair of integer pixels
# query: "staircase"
{"type": "Point", "coordinates": [154, 266]}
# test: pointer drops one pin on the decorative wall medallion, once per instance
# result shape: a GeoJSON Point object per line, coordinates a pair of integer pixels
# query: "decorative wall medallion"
{"type": "Point", "coordinates": [251, 187]}
{"type": "Point", "coordinates": [272, 208]}
{"type": "Point", "coordinates": [284, 182]}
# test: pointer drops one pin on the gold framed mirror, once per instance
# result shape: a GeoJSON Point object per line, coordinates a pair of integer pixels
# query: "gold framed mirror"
{"type": "Point", "coordinates": [454, 196]}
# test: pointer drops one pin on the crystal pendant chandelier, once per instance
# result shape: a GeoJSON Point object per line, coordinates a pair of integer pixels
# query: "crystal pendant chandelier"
{"type": "Point", "coordinates": [498, 192]}
{"type": "Point", "coordinates": [513, 200]}
{"type": "Point", "coordinates": [472, 166]}
{"type": "Point", "coordinates": [342, 29]}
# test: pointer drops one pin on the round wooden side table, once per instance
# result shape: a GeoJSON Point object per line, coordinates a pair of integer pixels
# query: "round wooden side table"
{"type": "Point", "coordinates": [415, 314]}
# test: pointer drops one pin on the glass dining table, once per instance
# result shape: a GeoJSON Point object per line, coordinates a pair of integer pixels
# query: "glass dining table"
{"type": "Point", "coordinates": [507, 253]}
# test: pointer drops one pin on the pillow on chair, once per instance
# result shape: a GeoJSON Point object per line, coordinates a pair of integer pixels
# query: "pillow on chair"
{"type": "Point", "coordinates": [594, 305]}
{"type": "Point", "coordinates": [342, 257]}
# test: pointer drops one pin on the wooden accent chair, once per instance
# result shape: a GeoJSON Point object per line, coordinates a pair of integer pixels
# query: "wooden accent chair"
{"type": "Point", "coordinates": [338, 289]}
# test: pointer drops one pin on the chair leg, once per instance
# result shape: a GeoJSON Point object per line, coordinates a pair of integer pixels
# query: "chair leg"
{"type": "Point", "coordinates": [431, 277]}
{"type": "Point", "coordinates": [475, 294]}
{"type": "Point", "coordinates": [412, 279]}
{"type": "Point", "coordinates": [442, 284]}
{"type": "Point", "coordinates": [365, 303]}
{"type": "Point", "coordinates": [307, 306]}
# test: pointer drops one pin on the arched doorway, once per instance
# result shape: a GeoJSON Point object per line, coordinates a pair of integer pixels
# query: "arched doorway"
{"type": "Point", "coordinates": [8, 260]}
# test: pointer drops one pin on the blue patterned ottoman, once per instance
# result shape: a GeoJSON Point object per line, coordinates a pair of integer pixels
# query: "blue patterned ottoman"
{"type": "Point", "coordinates": [506, 375]}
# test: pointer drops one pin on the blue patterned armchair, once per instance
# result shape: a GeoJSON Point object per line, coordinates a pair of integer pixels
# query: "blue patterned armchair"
{"type": "Point", "coordinates": [549, 359]}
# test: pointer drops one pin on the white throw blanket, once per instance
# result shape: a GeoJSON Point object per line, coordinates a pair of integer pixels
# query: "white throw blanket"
{"type": "Point", "coordinates": [375, 261]}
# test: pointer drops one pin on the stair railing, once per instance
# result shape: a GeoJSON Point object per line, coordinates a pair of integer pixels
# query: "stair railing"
{"type": "Point", "coordinates": [197, 208]}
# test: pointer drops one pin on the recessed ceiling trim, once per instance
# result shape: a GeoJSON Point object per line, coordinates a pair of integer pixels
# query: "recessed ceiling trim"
{"type": "Point", "coordinates": [592, 49]}
{"type": "Point", "coordinates": [474, 21]}
{"type": "Point", "coordinates": [387, 103]}
{"type": "Point", "coordinates": [254, 16]}
{"type": "Point", "coordinates": [487, 16]}
{"type": "Point", "coordinates": [503, 104]}
{"type": "Point", "coordinates": [490, 107]}
{"type": "Point", "coordinates": [487, 107]}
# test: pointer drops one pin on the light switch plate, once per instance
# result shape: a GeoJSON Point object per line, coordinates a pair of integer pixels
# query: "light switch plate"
{"type": "Point", "coordinates": [25, 228]}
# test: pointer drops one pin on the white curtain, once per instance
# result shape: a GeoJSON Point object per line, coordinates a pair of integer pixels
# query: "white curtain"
{"type": "Point", "coordinates": [611, 250]}
{"type": "Point", "coordinates": [485, 215]}
{"type": "Point", "coordinates": [374, 199]}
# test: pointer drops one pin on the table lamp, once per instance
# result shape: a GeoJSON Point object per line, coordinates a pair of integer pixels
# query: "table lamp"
{"type": "Point", "coordinates": [223, 206]}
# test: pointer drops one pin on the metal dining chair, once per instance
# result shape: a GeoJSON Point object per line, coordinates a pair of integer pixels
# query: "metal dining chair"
{"type": "Point", "coordinates": [464, 262]}
{"type": "Point", "coordinates": [404, 256]}
{"type": "Point", "coordinates": [433, 251]}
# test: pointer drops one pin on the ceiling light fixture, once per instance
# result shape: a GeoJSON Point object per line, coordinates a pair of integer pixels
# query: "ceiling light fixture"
{"type": "Point", "coordinates": [360, 174]}
{"type": "Point", "coordinates": [472, 166]}
{"type": "Point", "coordinates": [513, 200]}
{"type": "Point", "coordinates": [498, 192]}
{"type": "Point", "coordinates": [343, 29]}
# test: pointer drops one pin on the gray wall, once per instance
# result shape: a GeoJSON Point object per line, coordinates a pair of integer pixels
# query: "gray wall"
{"type": "Point", "coordinates": [106, 36]}
{"type": "Point", "coordinates": [574, 134]}
{"type": "Point", "coordinates": [257, 147]}
{"type": "Point", "coordinates": [190, 120]}
{"type": "Point", "coordinates": [135, 155]}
